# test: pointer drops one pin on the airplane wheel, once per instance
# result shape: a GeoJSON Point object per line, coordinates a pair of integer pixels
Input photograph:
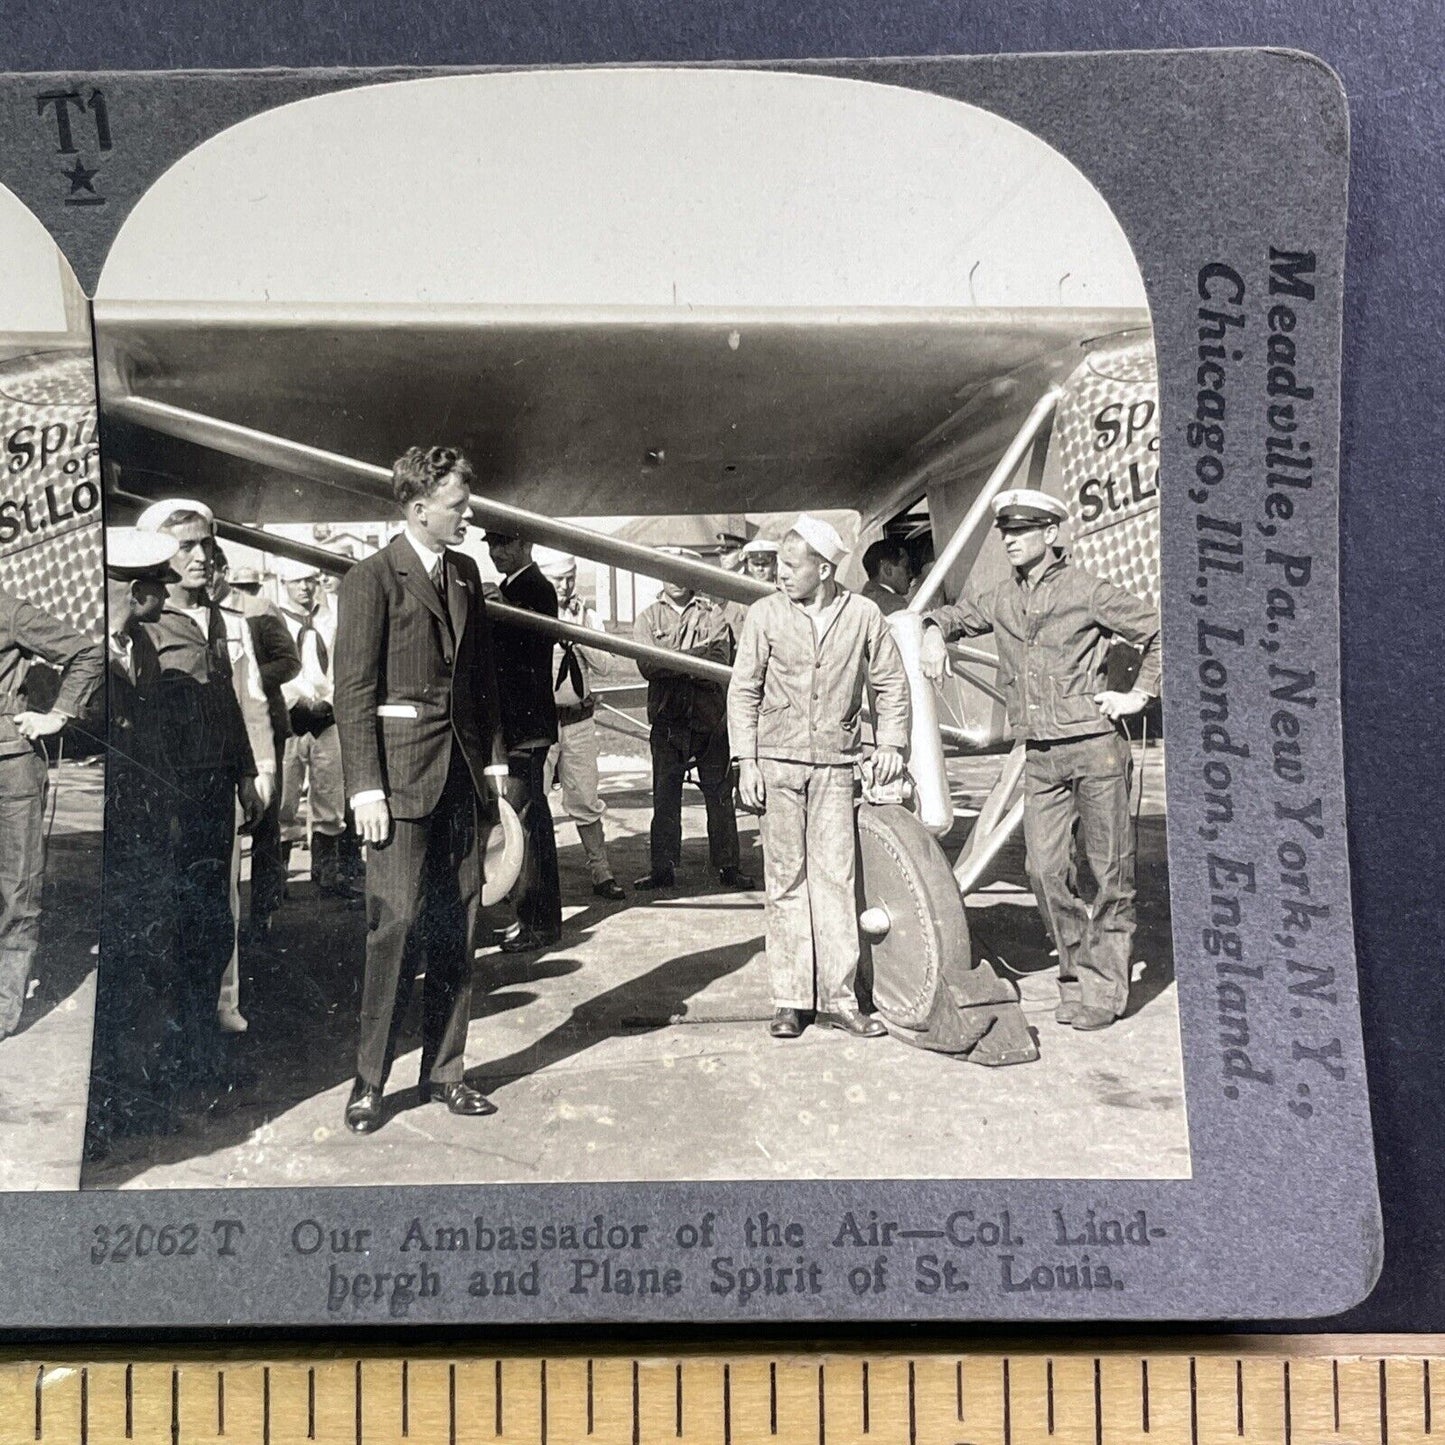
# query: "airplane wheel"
{"type": "Point", "coordinates": [911, 915]}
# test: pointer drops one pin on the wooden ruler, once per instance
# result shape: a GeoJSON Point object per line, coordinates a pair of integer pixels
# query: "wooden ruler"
{"type": "Point", "coordinates": [1226, 1391]}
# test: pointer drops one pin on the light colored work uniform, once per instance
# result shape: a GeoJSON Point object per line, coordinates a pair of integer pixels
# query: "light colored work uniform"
{"type": "Point", "coordinates": [794, 705]}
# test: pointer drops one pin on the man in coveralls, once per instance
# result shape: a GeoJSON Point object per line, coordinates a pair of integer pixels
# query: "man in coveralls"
{"type": "Point", "coordinates": [1054, 625]}
{"type": "Point", "coordinates": [25, 633]}
{"type": "Point", "coordinates": [688, 720]}
{"type": "Point", "coordinates": [794, 708]}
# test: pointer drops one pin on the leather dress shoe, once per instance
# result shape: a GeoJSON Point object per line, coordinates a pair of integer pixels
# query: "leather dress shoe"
{"type": "Point", "coordinates": [363, 1108]}
{"type": "Point", "coordinates": [459, 1098]}
{"type": "Point", "coordinates": [786, 1024]}
{"type": "Point", "coordinates": [735, 878]}
{"type": "Point", "coordinates": [528, 940]}
{"type": "Point", "coordinates": [1089, 1019]}
{"type": "Point", "coordinates": [1067, 1011]}
{"type": "Point", "coordinates": [611, 889]}
{"type": "Point", "coordinates": [651, 881]}
{"type": "Point", "coordinates": [852, 1022]}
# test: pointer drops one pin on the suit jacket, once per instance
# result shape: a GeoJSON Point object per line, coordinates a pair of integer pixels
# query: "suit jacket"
{"type": "Point", "coordinates": [524, 664]}
{"type": "Point", "coordinates": [412, 678]}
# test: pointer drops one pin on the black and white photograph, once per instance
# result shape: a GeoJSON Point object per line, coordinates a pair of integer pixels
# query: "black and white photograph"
{"type": "Point", "coordinates": [635, 610]}
{"type": "Point", "coordinates": [52, 665]}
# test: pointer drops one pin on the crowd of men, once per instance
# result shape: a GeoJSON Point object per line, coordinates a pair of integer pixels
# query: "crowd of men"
{"type": "Point", "coordinates": [412, 719]}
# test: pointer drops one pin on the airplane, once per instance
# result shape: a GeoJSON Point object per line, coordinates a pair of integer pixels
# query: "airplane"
{"type": "Point", "coordinates": [295, 416]}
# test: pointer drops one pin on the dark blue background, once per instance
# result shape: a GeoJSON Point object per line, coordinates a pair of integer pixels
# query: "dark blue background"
{"type": "Point", "coordinates": [1392, 61]}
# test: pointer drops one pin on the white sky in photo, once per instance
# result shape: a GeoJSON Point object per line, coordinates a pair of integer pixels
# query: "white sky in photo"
{"type": "Point", "coordinates": [33, 276]}
{"type": "Point", "coordinates": [655, 188]}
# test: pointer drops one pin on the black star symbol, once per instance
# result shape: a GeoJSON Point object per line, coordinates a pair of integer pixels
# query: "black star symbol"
{"type": "Point", "coordinates": [81, 179]}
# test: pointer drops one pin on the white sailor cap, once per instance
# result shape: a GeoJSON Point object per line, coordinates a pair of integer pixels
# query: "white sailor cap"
{"type": "Point", "coordinates": [552, 563]}
{"type": "Point", "coordinates": [158, 514]}
{"type": "Point", "coordinates": [759, 544]}
{"type": "Point", "coordinates": [822, 537]}
{"type": "Point", "coordinates": [245, 576]}
{"type": "Point", "coordinates": [288, 569]}
{"type": "Point", "coordinates": [133, 556]}
{"type": "Point", "coordinates": [1024, 508]}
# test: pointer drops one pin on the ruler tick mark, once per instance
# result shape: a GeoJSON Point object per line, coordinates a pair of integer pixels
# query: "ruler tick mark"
{"type": "Point", "coordinates": [678, 1399]}
{"type": "Point", "coordinates": [310, 1403]}
{"type": "Point", "coordinates": [1384, 1406]}
{"type": "Point", "coordinates": [1144, 1393]}
{"type": "Point", "coordinates": [772, 1399]}
{"type": "Point", "coordinates": [499, 1398]}
{"type": "Point", "coordinates": [266, 1405]}
{"type": "Point", "coordinates": [175, 1406]}
{"type": "Point", "coordinates": [636, 1407]}
{"type": "Point", "coordinates": [1288, 1417]}
{"type": "Point", "coordinates": [1239, 1398]}
{"type": "Point", "coordinates": [866, 1422]}
{"type": "Point", "coordinates": [822, 1411]}
{"type": "Point", "coordinates": [727, 1406]}
{"type": "Point", "coordinates": [406, 1399]}
{"type": "Point", "coordinates": [1335, 1388]}
{"type": "Point", "coordinates": [1427, 1397]}
{"type": "Point", "coordinates": [129, 1402]}
{"type": "Point", "coordinates": [84, 1406]}
{"type": "Point", "coordinates": [358, 1402]}
{"type": "Point", "coordinates": [589, 1397]}
{"type": "Point", "coordinates": [1193, 1402]}
{"type": "Point", "coordinates": [542, 1390]}
{"type": "Point", "coordinates": [1098, 1402]}
{"type": "Point", "coordinates": [39, 1397]}
{"type": "Point", "coordinates": [220, 1402]}
{"type": "Point", "coordinates": [912, 1406]}
{"type": "Point", "coordinates": [1008, 1432]}
{"type": "Point", "coordinates": [451, 1404]}
{"type": "Point", "coordinates": [1049, 1394]}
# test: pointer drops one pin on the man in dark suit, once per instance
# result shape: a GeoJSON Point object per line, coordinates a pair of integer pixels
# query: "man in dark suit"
{"type": "Point", "coordinates": [421, 740]}
{"type": "Point", "coordinates": [529, 719]}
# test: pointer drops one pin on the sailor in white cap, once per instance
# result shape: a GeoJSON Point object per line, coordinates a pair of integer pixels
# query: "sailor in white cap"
{"type": "Point", "coordinates": [1054, 624]}
{"type": "Point", "coordinates": [688, 720]}
{"type": "Point", "coordinates": [214, 724]}
{"type": "Point", "coordinates": [760, 560]}
{"type": "Point", "coordinates": [135, 1035]}
{"type": "Point", "coordinates": [573, 758]}
{"type": "Point", "coordinates": [312, 760]}
{"type": "Point", "coordinates": [805, 656]}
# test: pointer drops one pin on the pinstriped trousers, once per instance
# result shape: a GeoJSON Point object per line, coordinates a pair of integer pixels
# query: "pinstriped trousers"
{"type": "Point", "coordinates": [423, 901]}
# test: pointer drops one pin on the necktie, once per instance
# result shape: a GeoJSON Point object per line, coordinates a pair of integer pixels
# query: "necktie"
{"type": "Point", "coordinates": [323, 657]}
{"type": "Point", "coordinates": [439, 576]}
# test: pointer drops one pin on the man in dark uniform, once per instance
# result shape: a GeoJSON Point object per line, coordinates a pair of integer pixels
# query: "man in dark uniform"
{"type": "Point", "coordinates": [26, 633]}
{"type": "Point", "coordinates": [204, 737]}
{"type": "Point", "coordinates": [890, 574]}
{"type": "Point", "coordinates": [529, 718]}
{"type": "Point", "coordinates": [134, 1059]}
{"type": "Point", "coordinates": [421, 740]}
{"type": "Point", "coordinates": [688, 716]}
{"type": "Point", "coordinates": [1054, 624]}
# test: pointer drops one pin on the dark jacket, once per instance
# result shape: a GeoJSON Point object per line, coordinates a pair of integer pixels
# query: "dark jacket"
{"type": "Point", "coordinates": [201, 722]}
{"type": "Point", "coordinates": [26, 633]}
{"type": "Point", "coordinates": [887, 601]}
{"type": "Point", "coordinates": [1053, 645]}
{"type": "Point", "coordinates": [702, 630]}
{"type": "Point", "coordinates": [429, 668]}
{"type": "Point", "coordinates": [524, 664]}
